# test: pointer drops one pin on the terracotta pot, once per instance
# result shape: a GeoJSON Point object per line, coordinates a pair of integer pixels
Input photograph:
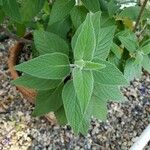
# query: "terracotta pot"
{"type": "Point", "coordinates": [29, 94]}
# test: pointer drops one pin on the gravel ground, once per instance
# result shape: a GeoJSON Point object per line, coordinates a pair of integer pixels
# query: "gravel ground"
{"type": "Point", "coordinates": [20, 131]}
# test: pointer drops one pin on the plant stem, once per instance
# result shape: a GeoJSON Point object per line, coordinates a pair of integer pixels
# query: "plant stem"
{"type": "Point", "coordinates": [13, 36]}
{"type": "Point", "coordinates": [140, 15]}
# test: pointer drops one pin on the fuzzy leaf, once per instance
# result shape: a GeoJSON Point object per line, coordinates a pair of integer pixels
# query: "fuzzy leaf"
{"type": "Point", "coordinates": [93, 66]}
{"type": "Point", "coordinates": [132, 70]}
{"type": "Point", "coordinates": [78, 15]}
{"type": "Point", "coordinates": [96, 24]}
{"type": "Point", "coordinates": [98, 107]}
{"type": "Point", "coordinates": [108, 92]}
{"type": "Point", "coordinates": [36, 83]}
{"type": "Point", "coordinates": [116, 50]}
{"type": "Point", "coordinates": [48, 66]}
{"type": "Point", "coordinates": [47, 101]}
{"type": "Point", "coordinates": [88, 65]}
{"type": "Point", "coordinates": [146, 49]}
{"type": "Point", "coordinates": [11, 9]}
{"type": "Point", "coordinates": [83, 84]}
{"type": "Point", "coordinates": [60, 28]}
{"type": "Point", "coordinates": [138, 58]}
{"type": "Point", "coordinates": [93, 5]}
{"type": "Point", "coordinates": [76, 118]}
{"type": "Point", "coordinates": [129, 43]}
{"type": "Point", "coordinates": [47, 42]}
{"type": "Point", "coordinates": [60, 10]}
{"type": "Point", "coordinates": [146, 63]}
{"type": "Point", "coordinates": [104, 42]}
{"type": "Point", "coordinates": [110, 75]}
{"type": "Point", "coordinates": [61, 116]}
{"type": "Point", "coordinates": [85, 43]}
{"type": "Point", "coordinates": [31, 8]}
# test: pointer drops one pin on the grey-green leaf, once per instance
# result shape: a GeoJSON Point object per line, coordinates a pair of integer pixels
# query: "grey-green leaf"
{"type": "Point", "coordinates": [36, 83]}
{"type": "Point", "coordinates": [92, 5]}
{"type": "Point", "coordinates": [83, 84]}
{"type": "Point", "coordinates": [47, 42]}
{"type": "Point", "coordinates": [146, 63]}
{"type": "Point", "coordinates": [48, 66]}
{"type": "Point", "coordinates": [47, 101]}
{"type": "Point", "coordinates": [76, 118]}
{"type": "Point", "coordinates": [98, 107]}
{"type": "Point", "coordinates": [104, 42]}
{"type": "Point", "coordinates": [108, 92]}
{"type": "Point", "coordinates": [132, 70]}
{"type": "Point", "coordinates": [86, 42]}
{"type": "Point", "coordinates": [146, 49]}
{"type": "Point", "coordinates": [60, 10]}
{"type": "Point", "coordinates": [110, 75]}
{"type": "Point", "coordinates": [116, 50]}
{"type": "Point", "coordinates": [78, 15]}
{"type": "Point", "coordinates": [129, 42]}
{"type": "Point", "coordinates": [60, 28]}
{"type": "Point", "coordinates": [61, 116]}
{"type": "Point", "coordinates": [11, 9]}
{"type": "Point", "coordinates": [30, 8]}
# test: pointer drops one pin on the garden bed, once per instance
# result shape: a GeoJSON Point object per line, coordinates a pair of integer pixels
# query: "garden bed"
{"type": "Point", "coordinates": [19, 130]}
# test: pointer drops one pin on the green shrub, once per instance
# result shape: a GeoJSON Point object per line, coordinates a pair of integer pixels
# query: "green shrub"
{"type": "Point", "coordinates": [83, 48]}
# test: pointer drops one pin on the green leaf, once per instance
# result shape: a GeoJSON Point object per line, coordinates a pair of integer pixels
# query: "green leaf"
{"type": "Point", "coordinates": [108, 92]}
{"type": "Point", "coordinates": [61, 116]}
{"type": "Point", "coordinates": [96, 20]}
{"type": "Point", "coordinates": [60, 28]}
{"type": "Point", "coordinates": [83, 84]}
{"type": "Point", "coordinates": [110, 75]}
{"type": "Point", "coordinates": [88, 65]}
{"type": "Point", "coordinates": [31, 8]}
{"type": "Point", "coordinates": [93, 66]}
{"type": "Point", "coordinates": [60, 10]}
{"type": "Point", "coordinates": [146, 63]}
{"type": "Point", "coordinates": [106, 20]}
{"type": "Point", "coordinates": [99, 108]}
{"type": "Point", "coordinates": [48, 66]}
{"type": "Point", "coordinates": [101, 94]}
{"type": "Point", "coordinates": [47, 101]}
{"type": "Point", "coordinates": [113, 7]}
{"type": "Point", "coordinates": [138, 58]}
{"type": "Point", "coordinates": [146, 49]}
{"type": "Point", "coordinates": [1, 2]}
{"type": "Point", "coordinates": [126, 13]}
{"type": "Point", "coordinates": [78, 15]}
{"type": "Point", "coordinates": [36, 83]}
{"type": "Point", "coordinates": [93, 5]}
{"type": "Point", "coordinates": [129, 42]}
{"type": "Point", "coordinates": [85, 43]}
{"type": "Point", "coordinates": [132, 70]}
{"type": "Point", "coordinates": [78, 120]}
{"type": "Point", "coordinates": [47, 42]}
{"type": "Point", "coordinates": [2, 16]}
{"type": "Point", "coordinates": [11, 9]}
{"type": "Point", "coordinates": [104, 42]}
{"type": "Point", "coordinates": [20, 29]}
{"type": "Point", "coordinates": [116, 50]}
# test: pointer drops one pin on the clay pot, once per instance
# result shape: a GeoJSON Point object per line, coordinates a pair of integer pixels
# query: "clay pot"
{"type": "Point", "coordinates": [29, 94]}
